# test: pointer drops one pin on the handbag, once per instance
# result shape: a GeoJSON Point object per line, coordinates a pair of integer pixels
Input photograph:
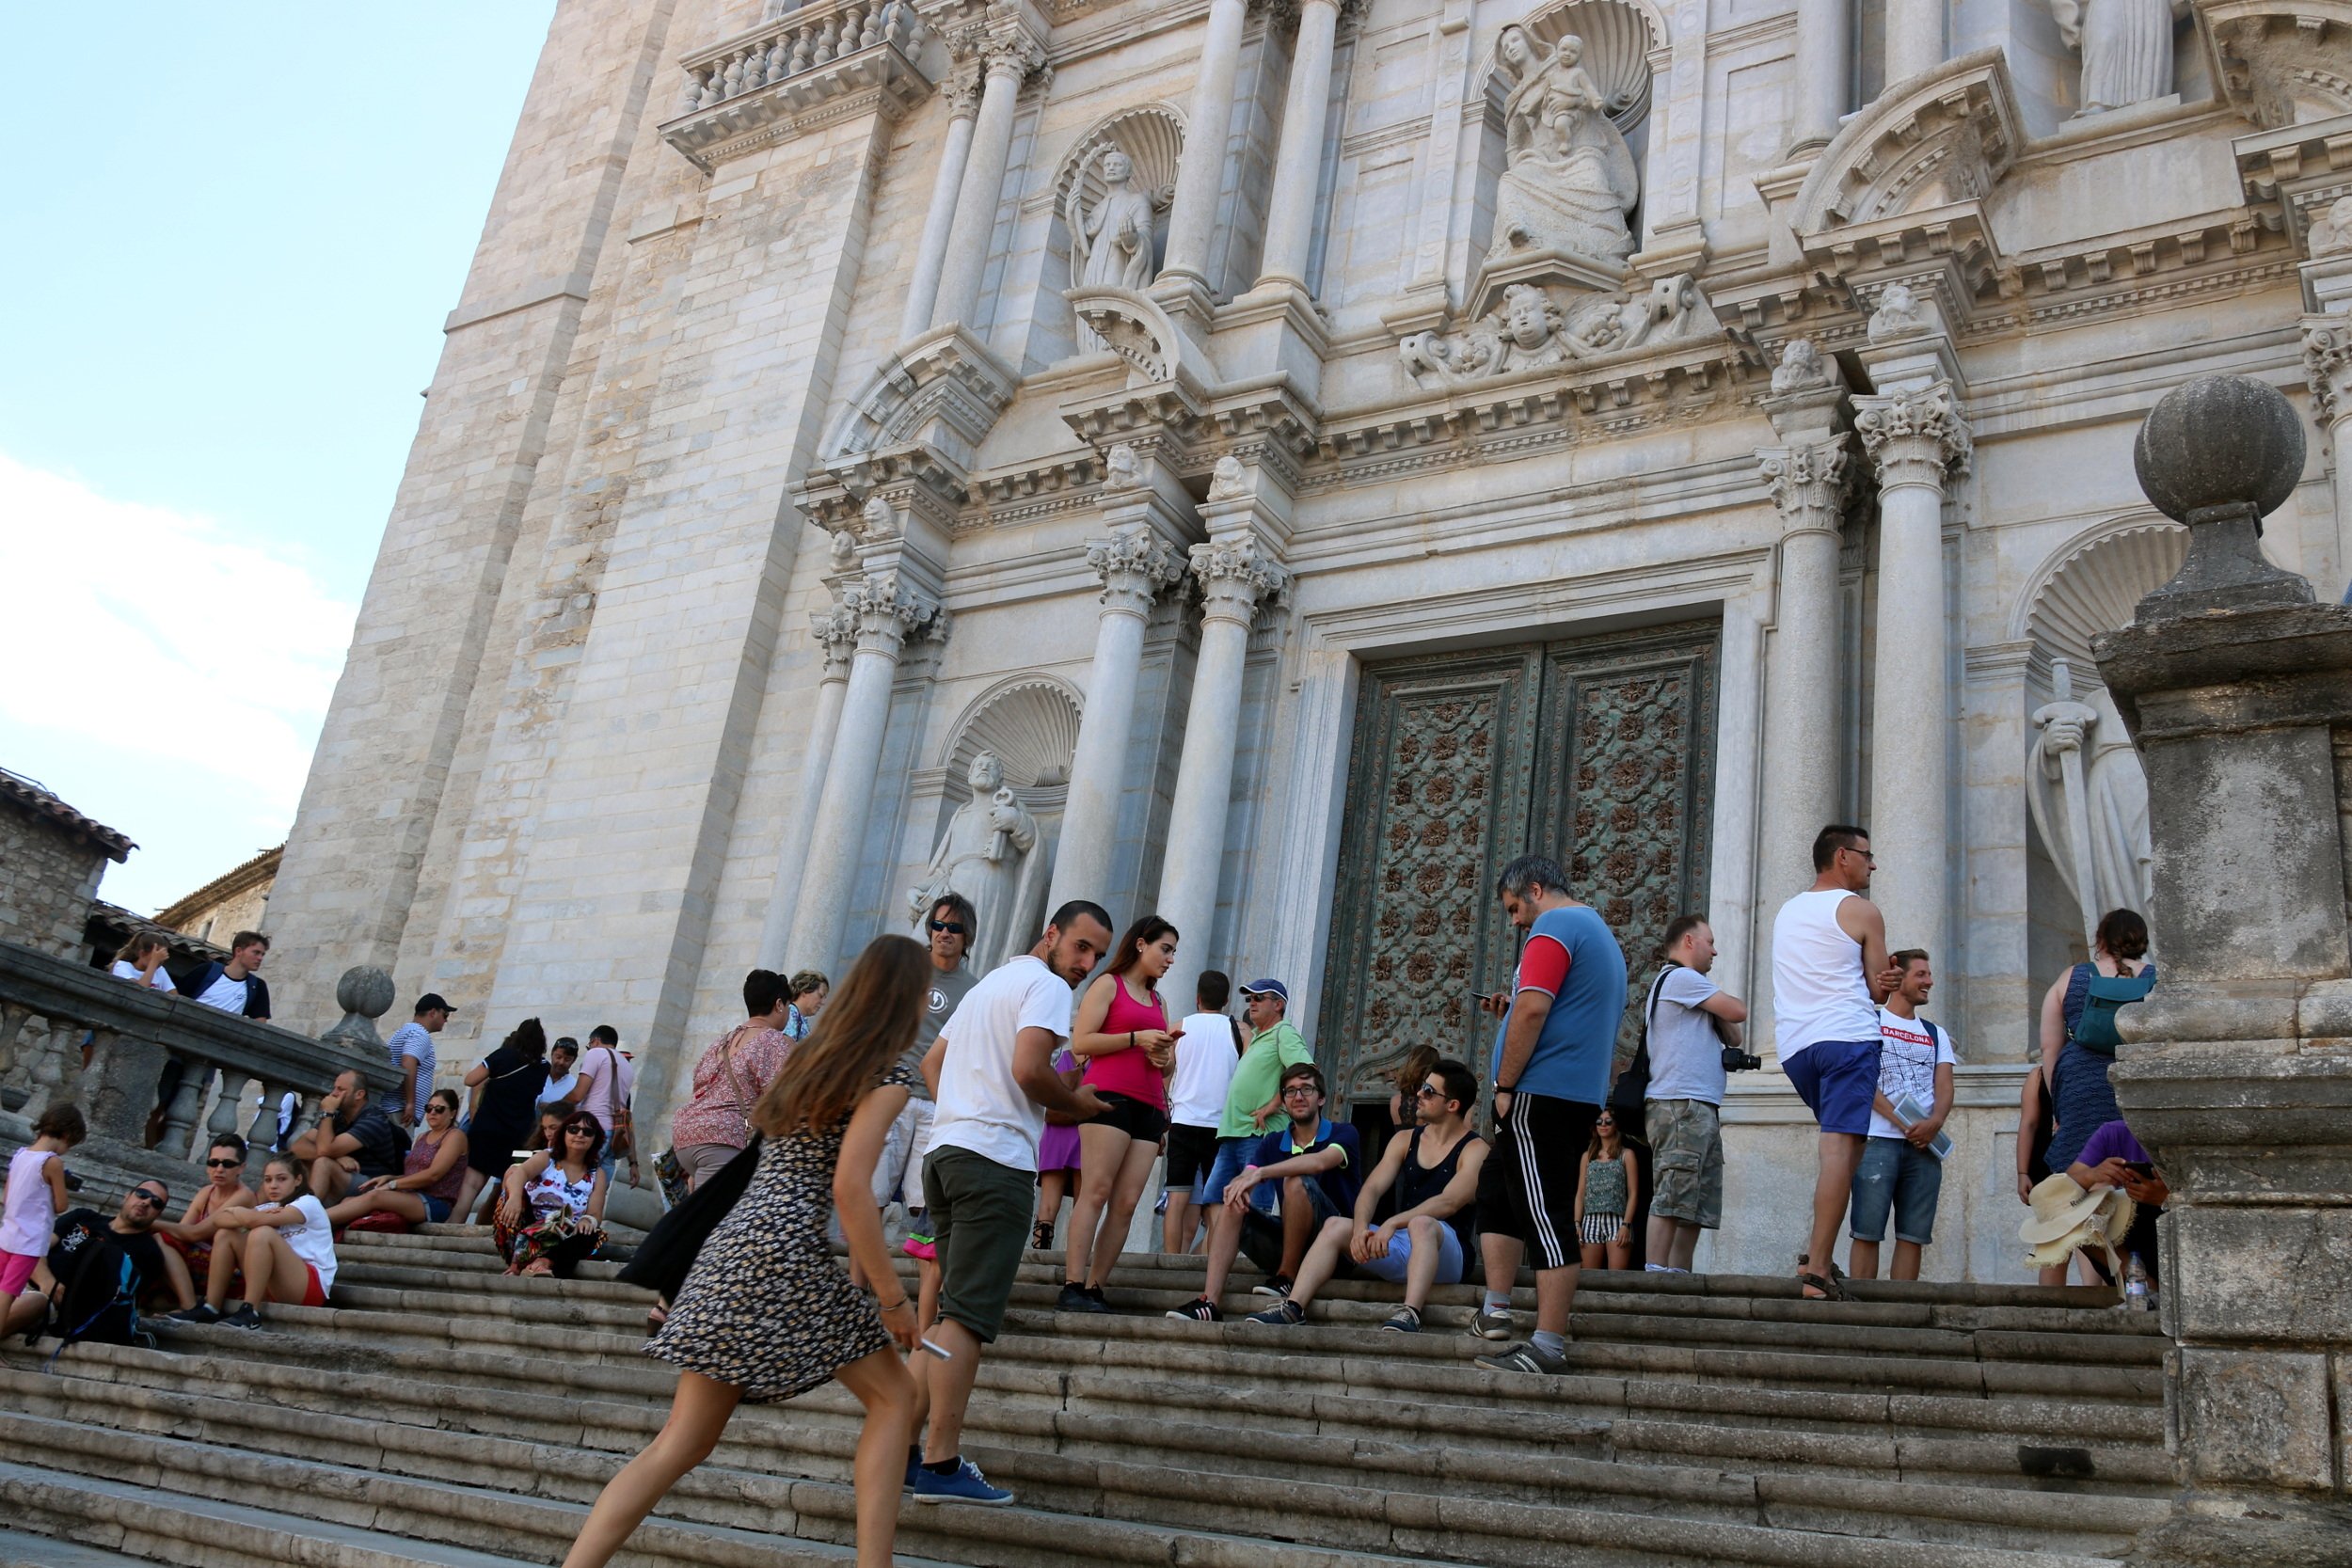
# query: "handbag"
{"type": "Point", "coordinates": [667, 1170]}
{"type": "Point", "coordinates": [677, 1239]}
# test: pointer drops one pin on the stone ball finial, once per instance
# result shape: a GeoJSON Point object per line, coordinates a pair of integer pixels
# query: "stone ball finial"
{"type": "Point", "coordinates": [365, 989]}
{"type": "Point", "coordinates": [2219, 441]}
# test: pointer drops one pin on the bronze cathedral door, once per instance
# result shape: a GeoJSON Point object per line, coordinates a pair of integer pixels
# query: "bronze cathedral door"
{"type": "Point", "coordinates": [1598, 750]}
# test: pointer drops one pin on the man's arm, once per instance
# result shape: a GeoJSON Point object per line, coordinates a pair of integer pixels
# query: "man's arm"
{"type": "Point", "coordinates": [1383, 1177]}
{"type": "Point", "coordinates": [934, 1062]}
{"type": "Point", "coordinates": [1922, 1132]}
{"type": "Point", "coordinates": [582, 1080]}
{"type": "Point", "coordinates": [1862, 920]}
{"type": "Point", "coordinates": [409, 1066]}
{"type": "Point", "coordinates": [1330, 1156]}
{"type": "Point", "coordinates": [1033, 1069]}
{"type": "Point", "coordinates": [1529, 1009]}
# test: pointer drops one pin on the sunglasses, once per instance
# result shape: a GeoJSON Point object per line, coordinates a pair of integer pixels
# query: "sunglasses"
{"type": "Point", "coordinates": [953, 928]}
{"type": "Point", "coordinates": [1428, 1091]}
{"type": "Point", "coordinates": [224, 1165]}
{"type": "Point", "coordinates": [579, 1131]}
{"type": "Point", "coordinates": [151, 1197]}
{"type": "Point", "coordinates": [436, 1110]}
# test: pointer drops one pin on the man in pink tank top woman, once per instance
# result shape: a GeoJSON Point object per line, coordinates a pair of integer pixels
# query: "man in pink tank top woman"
{"type": "Point", "coordinates": [1830, 973]}
{"type": "Point", "coordinates": [1121, 1035]}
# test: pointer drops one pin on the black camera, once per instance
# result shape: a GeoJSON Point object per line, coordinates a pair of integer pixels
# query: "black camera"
{"type": "Point", "coordinates": [1736, 1060]}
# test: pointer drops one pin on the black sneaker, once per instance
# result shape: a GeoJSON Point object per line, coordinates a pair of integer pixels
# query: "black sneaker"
{"type": "Point", "coordinates": [1279, 1288]}
{"type": "Point", "coordinates": [1095, 1291]}
{"type": "Point", "coordinates": [1200, 1309]}
{"type": "Point", "coordinates": [1285, 1314]}
{"type": "Point", "coordinates": [1075, 1297]}
{"type": "Point", "coordinates": [243, 1317]}
{"type": "Point", "coordinates": [202, 1312]}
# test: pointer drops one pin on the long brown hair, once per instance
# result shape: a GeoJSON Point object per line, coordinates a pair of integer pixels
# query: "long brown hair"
{"type": "Point", "coordinates": [868, 1023]}
{"type": "Point", "coordinates": [1412, 1072]}
{"type": "Point", "coordinates": [1142, 934]}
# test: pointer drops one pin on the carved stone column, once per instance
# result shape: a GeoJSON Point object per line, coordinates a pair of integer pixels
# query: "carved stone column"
{"type": "Point", "coordinates": [962, 89]}
{"type": "Point", "coordinates": [1236, 574]}
{"type": "Point", "coordinates": [1200, 172]}
{"type": "Point", "coordinates": [2237, 690]}
{"type": "Point", "coordinates": [1008, 56]}
{"type": "Point", "coordinates": [1914, 439]}
{"type": "Point", "coordinates": [886, 611]}
{"type": "Point", "coordinates": [1289, 228]}
{"type": "Point", "coordinates": [1825, 69]}
{"type": "Point", "coordinates": [1914, 39]}
{"type": "Point", "coordinates": [1808, 483]}
{"type": "Point", "coordinates": [835, 630]}
{"type": "Point", "coordinates": [2327, 364]}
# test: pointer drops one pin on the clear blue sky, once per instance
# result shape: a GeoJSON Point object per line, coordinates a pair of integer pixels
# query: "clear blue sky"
{"type": "Point", "coordinates": [233, 235]}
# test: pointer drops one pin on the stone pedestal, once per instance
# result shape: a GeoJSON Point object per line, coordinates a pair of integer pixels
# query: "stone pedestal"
{"type": "Point", "coordinates": [2237, 1072]}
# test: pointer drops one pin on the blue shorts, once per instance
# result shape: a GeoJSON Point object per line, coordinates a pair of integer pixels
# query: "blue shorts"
{"type": "Point", "coordinates": [1232, 1155]}
{"type": "Point", "coordinates": [1895, 1176]}
{"type": "Point", "coordinates": [435, 1209]}
{"type": "Point", "coordinates": [1392, 1268]}
{"type": "Point", "coordinates": [1837, 1080]}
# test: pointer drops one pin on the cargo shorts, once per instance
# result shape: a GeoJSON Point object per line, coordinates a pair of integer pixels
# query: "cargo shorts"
{"type": "Point", "coordinates": [1687, 1143]}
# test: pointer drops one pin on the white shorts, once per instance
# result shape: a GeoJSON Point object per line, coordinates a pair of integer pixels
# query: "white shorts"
{"type": "Point", "coordinates": [898, 1174]}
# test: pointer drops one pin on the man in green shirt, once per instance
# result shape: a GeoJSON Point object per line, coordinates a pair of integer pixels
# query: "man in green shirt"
{"type": "Point", "coordinates": [1254, 1097]}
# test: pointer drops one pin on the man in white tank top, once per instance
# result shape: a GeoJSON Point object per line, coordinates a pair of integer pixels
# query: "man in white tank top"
{"type": "Point", "coordinates": [1830, 973]}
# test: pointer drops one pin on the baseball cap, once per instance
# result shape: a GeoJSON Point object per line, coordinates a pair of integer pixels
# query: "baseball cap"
{"type": "Point", "coordinates": [433, 1001]}
{"type": "Point", "coordinates": [1268, 987]}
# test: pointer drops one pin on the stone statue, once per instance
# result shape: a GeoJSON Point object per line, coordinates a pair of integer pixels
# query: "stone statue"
{"type": "Point", "coordinates": [2126, 47]}
{"type": "Point", "coordinates": [1227, 480]}
{"type": "Point", "coordinates": [1802, 369]}
{"type": "Point", "coordinates": [1900, 315]}
{"type": "Point", "coordinates": [1110, 247]}
{"type": "Point", "coordinates": [980, 856]}
{"type": "Point", "coordinates": [1121, 468]}
{"type": "Point", "coordinates": [2332, 235]}
{"type": "Point", "coordinates": [843, 552]}
{"type": "Point", "coordinates": [1568, 179]}
{"type": "Point", "coordinates": [1531, 330]}
{"type": "Point", "coordinates": [882, 521]}
{"type": "Point", "coordinates": [2088, 798]}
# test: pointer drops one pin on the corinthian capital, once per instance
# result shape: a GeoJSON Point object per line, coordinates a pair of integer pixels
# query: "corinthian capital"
{"type": "Point", "coordinates": [1807, 483]}
{"type": "Point", "coordinates": [887, 610]}
{"type": "Point", "coordinates": [2327, 364]}
{"type": "Point", "coordinates": [1913, 437]}
{"type": "Point", "coordinates": [1234, 576]}
{"type": "Point", "coordinates": [960, 88]}
{"type": "Point", "coordinates": [1135, 569]}
{"type": "Point", "coordinates": [835, 630]}
{"type": "Point", "coordinates": [1008, 46]}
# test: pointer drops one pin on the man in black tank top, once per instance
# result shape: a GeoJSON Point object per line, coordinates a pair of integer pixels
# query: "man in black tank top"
{"type": "Point", "coordinates": [1433, 1166]}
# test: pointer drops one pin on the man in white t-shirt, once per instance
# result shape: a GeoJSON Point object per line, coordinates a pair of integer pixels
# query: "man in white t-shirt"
{"type": "Point", "coordinates": [1901, 1173]}
{"type": "Point", "coordinates": [1208, 1048]}
{"type": "Point", "coordinates": [141, 962]}
{"type": "Point", "coordinates": [991, 1077]}
{"type": "Point", "coordinates": [1690, 1019]}
{"type": "Point", "coordinates": [562, 1072]}
{"type": "Point", "coordinates": [607, 1081]}
{"type": "Point", "coordinates": [233, 987]}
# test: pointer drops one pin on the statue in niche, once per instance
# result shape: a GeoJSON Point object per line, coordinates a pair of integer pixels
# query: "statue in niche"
{"type": "Point", "coordinates": [2126, 47]}
{"type": "Point", "coordinates": [981, 856]}
{"type": "Point", "coordinates": [1110, 247]}
{"type": "Point", "coordinates": [2088, 799]}
{"type": "Point", "coordinates": [1568, 179]}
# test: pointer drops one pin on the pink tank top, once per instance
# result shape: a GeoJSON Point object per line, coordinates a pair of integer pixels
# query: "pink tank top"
{"type": "Point", "coordinates": [1129, 1073]}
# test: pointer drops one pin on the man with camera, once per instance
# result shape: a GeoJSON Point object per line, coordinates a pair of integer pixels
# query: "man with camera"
{"type": "Point", "coordinates": [1693, 1026]}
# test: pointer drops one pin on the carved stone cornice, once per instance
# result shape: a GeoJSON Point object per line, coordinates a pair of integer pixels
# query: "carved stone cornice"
{"type": "Point", "coordinates": [1808, 483]}
{"type": "Point", "coordinates": [1943, 138]}
{"type": "Point", "coordinates": [808, 67]}
{"type": "Point", "coordinates": [2281, 61]}
{"type": "Point", "coordinates": [887, 610]}
{"type": "Point", "coordinates": [2327, 365]}
{"type": "Point", "coordinates": [1235, 576]}
{"type": "Point", "coordinates": [1135, 569]}
{"type": "Point", "coordinates": [1916, 437]}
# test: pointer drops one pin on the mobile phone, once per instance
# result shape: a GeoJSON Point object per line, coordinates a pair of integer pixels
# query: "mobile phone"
{"type": "Point", "coordinates": [2141, 1168]}
{"type": "Point", "coordinates": [937, 1349]}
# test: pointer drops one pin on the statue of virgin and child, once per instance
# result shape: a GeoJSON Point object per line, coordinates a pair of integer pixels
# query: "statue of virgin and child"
{"type": "Point", "coordinates": [1569, 179]}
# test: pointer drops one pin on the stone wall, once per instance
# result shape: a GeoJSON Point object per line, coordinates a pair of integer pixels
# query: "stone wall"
{"type": "Point", "coordinates": [48, 875]}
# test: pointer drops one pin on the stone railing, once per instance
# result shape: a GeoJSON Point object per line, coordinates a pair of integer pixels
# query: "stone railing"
{"type": "Point", "coordinates": [71, 1032]}
{"type": "Point", "coordinates": [755, 88]}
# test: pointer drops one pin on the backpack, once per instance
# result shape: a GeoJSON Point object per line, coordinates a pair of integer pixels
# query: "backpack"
{"type": "Point", "coordinates": [2095, 1030]}
{"type": "Point", "coordinates": [96, 1295]}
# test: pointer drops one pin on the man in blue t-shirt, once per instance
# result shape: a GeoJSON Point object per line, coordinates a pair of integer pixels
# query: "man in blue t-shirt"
{"type": "Point", "coordinates": [1553, 1059]}
{"type": "Point", "coordinates": [1316, 1163]}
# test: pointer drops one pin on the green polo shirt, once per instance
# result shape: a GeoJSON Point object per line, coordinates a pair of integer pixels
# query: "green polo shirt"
{"type": "Point", "coordinates": [1258, 1074]}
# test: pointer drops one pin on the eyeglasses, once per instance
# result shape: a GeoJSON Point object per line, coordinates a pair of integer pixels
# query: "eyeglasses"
{"type": "Point", "coordinates": [1299, 1088]}
{"type": "Point", "coordinates": [224, 1165]}
{"type": "Point", "coordinates": [953, 928]}
{"type": "Point", "coordinates": [1849, 849]}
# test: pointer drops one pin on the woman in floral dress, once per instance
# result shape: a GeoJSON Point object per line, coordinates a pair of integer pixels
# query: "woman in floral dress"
{"type": "Point", "coordinates": [765, 1312]}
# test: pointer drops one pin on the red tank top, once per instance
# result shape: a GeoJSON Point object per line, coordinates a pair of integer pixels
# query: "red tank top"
{"type": "Point", "coordinates": [1125, 1071]}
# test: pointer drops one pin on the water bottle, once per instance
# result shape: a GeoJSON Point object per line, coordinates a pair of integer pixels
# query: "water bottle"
{"type": "Point", "coordinates": [2136, 1284]}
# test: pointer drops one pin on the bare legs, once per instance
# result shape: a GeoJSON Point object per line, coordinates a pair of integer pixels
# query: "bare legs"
{"type": "Point", "coordinates": [1833, 1191]}
{"type": "Point", "coordinates": [1110, 1187]}
{"type": "Point", "coordinates": [383, 1201]}
{"type": "Point", "coordinates": [1225, 1227]}
{"type": "Point", "coordinates": [1672, 1243]}
{"type": "Point", "coordinates": [1322, 1261]}
{"type": "Point", "coordinates": [330, 1177]}
{"type": "Point", "coordinates": [1178, 1225]}
{"type": "Point", "coordinates": [462, 1211]}
{"type": "Point", "coordinates": [1051, 1185]}
{"type": "Point", "coordinates": [947, 1386]}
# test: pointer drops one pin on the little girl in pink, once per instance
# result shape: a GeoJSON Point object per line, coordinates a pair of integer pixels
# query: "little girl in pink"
{"type": "Point", "coordinates": [35, 1195]}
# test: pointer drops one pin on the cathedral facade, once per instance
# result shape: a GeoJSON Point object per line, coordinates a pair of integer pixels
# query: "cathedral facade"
{"type": "Point", "coordinates": [1271, 463]}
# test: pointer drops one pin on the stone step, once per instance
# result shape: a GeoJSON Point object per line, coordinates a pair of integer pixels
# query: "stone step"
{"type": "Point", "coordinates": [20, 1550]}
{"type": "Point", "coordinates": [421, 1472]}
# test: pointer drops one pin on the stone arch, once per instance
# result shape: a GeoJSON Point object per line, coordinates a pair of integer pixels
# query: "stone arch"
{"type": "Point", "coordinates": [1947, 136]}
{"type": "Point", "coordinates": [1619, 37]}
{"type": "Point", "coordinates": [1029, 720]}
{"type": "Point", "coordinates": [2093, 582]}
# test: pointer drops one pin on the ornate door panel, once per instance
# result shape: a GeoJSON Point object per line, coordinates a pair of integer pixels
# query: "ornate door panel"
{"type": "Point", "coordinates": [1624, 783]}
{"type": "Point", "coordinates": [1598, 749]}
{"type": "Point", "coordinates": [1437, 803]}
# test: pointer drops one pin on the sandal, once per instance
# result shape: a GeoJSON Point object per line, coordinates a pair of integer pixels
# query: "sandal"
{"type": "Point", "coordinates": [1041, 1237]}
{"type": "Point", "coordinates": [658, 1315]}
{"type": "Point", "coordinates": [1826, 1288]}
{"type": "Point", "coordinates": [540, 1268]}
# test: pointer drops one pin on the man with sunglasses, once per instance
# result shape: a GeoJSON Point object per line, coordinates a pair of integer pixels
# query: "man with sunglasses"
{"type": "Point", "coordinates": [947, 930]}
{"type": "Point", "coordinates": [1830, 973]}
{"type": "Point", "coordinates": [134, 1231]}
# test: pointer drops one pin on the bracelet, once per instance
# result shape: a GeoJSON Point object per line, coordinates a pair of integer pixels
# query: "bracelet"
{"type": "Point", "coordinates": [892, 1305]}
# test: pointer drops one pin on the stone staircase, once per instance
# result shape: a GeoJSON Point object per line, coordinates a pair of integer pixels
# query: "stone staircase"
{"type": "Point", "coordinates": [442, 1413]}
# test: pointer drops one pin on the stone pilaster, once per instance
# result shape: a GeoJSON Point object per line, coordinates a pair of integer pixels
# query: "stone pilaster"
{"type": "Point", "coordinates": [2327, 366]}
{"type": "Point", "coordinates": [961, 92]}
{"type": "Point", "coordinates": [1200, 172]}
{"type": "Point", "coordinates": [1008, 53]}
{"type": "Point", "coordinates": [835, 629]}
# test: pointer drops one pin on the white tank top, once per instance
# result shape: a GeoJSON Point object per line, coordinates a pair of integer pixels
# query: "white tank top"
{"type": "Point", "coordinates": [1818, 992]}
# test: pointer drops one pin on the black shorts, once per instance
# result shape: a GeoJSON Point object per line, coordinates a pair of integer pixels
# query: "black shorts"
{"type": "Point", "coordinates": [1140, 1122]}
{"type": "Point", "coordinates": [1191, 1150]}
{"type": "Point", "coordinates": [1527, 1187]}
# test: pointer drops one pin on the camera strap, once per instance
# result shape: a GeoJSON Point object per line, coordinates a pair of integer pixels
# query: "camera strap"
{"type": "Point", "coordinates": [1649, 1011]}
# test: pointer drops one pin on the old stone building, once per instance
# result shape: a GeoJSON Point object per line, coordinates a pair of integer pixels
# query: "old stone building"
{"type": "Point", "coordinates": [50, 860]}
{"type": "Point", "coordinates": [236, 900]}
{"type": "Point", "coordinates": [1273, 463]}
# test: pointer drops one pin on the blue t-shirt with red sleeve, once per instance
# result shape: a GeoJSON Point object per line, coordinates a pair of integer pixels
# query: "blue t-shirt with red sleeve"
{"type": "Point", "coordinates": [1571, 957]}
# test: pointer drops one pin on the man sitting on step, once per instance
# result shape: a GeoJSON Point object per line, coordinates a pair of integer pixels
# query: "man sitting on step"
{"type": "Point", "coordinates": [354, 1142]}
{"type": "Point", "coordinates": [1312, 1162]}
{"type": "Point", "coordinates": [1433, 1167]}
{"type": "Point", "coordinates": [156, 1270]}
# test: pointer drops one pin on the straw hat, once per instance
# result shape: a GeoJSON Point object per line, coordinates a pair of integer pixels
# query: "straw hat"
{"type": "Point", "coordinates": [2067, 1215]}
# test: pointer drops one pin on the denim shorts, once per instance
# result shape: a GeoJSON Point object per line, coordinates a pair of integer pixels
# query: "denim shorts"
{"type": "Point", "coordinates": [1838, 1082]}
{"type": "Point", "coordinates": [1232, 1154]}
{"type": "Point", "coordinates": [1895, 1176]}
{"type": "Point", "coordinates": [1392, 1268]}
{"type": "Point", "coordinates": [435, 1209]}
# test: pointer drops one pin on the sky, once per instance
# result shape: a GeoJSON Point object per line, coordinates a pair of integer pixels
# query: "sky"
{"type": "Point", "coordinates": [225, 284]}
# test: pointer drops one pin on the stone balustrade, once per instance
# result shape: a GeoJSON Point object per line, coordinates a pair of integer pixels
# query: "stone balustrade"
{"type": "Point", "coordinates": [72, 1032]}
{"type": "Point", "coordinates": [800, 41]}
{"type": "Point", "coordinates": [763, 86]}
